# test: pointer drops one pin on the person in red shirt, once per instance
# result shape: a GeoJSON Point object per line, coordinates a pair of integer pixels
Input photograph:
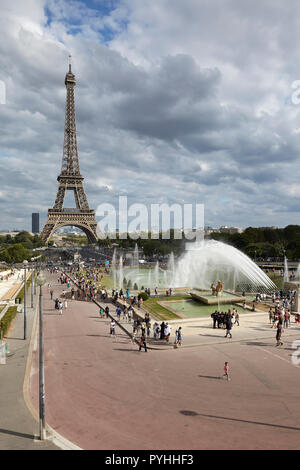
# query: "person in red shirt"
{"type": "Point", "coordinates": [226, 371]}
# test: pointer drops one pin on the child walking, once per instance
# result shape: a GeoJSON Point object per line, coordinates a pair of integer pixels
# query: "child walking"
{"type": "Point", "coordinates": [226, 371]}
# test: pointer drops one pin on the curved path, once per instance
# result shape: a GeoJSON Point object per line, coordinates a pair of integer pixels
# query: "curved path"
{"type": "Point", "coordinates": [102, 393]}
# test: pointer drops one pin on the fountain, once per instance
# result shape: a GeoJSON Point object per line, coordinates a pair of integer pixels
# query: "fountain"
{"type": "Point", "coordinates": [114, 271]}
{"type": "Point", "coordinates": [135, 263]}
{"type": "Point", "coordinates": [211, 260]}
{"type": "Point", "coordinates": [165, 278]}
{"type": "Point", "coordinates": [121, 272]}
{"type": "Point", "coordinates": [149, 279]}
{"type": "Point", "coordinates": [285, 271]}
{"type": "Point", "coordinates": [156, 280]}
{"type": "Point", "coordinates": [297, 274]}
{"type": "Point", "coordinates": [171, 268]}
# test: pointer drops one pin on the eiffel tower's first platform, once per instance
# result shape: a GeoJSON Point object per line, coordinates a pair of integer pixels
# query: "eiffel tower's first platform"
{"type": "Point", "coordinates": [70, 179]}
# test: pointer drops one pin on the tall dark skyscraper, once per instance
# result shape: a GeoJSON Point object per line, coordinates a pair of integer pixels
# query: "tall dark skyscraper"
{"type": "Point", "coordinates": [35, 222]}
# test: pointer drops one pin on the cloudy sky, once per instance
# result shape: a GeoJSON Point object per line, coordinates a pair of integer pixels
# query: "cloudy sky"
{"type": "Point", "coordinates": [176, 101]}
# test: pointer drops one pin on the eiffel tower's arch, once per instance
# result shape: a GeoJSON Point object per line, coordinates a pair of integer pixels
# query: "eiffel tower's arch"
{"type": "Point", "coordinates": [70, 178]}
{"type": "Point", "coordinates": [90, 231]}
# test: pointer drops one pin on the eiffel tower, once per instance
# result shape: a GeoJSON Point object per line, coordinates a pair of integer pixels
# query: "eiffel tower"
{"type": "Point", "coordinates": [70, 179]}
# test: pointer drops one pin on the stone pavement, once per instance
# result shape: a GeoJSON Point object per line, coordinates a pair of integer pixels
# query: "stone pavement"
{"type": "Point", "coordinates": [102, 393]}
{"type": "Point", "coordinates": [18, 429]}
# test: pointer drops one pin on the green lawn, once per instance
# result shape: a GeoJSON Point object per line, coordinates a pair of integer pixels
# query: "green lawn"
{"type": "Point", "coordinates": [106, 280]}
{"type": "Point", "coordinates": [158, 311]}
{"type": "Point", "coordinates": [5, 322]}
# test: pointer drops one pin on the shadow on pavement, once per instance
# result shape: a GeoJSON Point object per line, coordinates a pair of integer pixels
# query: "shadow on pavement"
{"type": "Point", "coordinates": [209, 377]}
{"type": "Point", "coordinates": [15, 433]}
{"type": "Point", "coordinates": [225, 418]}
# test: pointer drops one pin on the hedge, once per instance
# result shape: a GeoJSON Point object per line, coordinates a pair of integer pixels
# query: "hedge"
{"type": "Point", "coordinates": [143, 295]}
{"type": "Point", "coordinates": [7, 319]}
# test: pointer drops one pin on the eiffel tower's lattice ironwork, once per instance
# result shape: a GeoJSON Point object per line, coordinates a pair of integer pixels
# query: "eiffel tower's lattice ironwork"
{"type": "Point", "coordinates": [70, 179]}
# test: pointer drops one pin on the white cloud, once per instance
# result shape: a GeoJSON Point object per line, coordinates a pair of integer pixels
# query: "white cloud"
{"type": "Point", "coordinates": [176, 101]}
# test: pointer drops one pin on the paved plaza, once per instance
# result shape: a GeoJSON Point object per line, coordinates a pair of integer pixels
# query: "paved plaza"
{"type": "Point", "coordinates": [102, 393]}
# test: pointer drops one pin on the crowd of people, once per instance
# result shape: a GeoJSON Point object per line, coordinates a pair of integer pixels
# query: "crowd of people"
{"type": "Point", "coordinates": [224, 320]}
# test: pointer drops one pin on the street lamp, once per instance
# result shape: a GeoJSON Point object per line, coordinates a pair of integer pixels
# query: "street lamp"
{"type": "Point", "coordinates": [25, 262]}
{"type": "Point", "coordinates": [31, 286]}
{"type": "Point", "coordinates": [34, 265]}
{"type": "Point", "coordinates": [40, 281]}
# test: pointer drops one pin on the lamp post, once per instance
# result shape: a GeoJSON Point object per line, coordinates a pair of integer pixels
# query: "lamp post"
{"type": "Point", "coordinates": [31, 287]}
{"type": "Point", "coordinates": [34, 278]}
{"type": "Point", "coordinates": [40, 281]}
{"type": "Point", "coordinates": [25, 262]}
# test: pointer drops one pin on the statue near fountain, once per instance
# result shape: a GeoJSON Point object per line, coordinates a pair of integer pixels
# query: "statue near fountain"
{"type": "Point", "coordinates": [219, 288]}
{"type": "Point", "coordinates": [216, 290]}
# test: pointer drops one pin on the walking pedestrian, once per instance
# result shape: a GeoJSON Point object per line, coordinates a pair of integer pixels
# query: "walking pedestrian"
{"type": "Point", "coordinates": [167, 332]}
{"type": "Point", "coordinates": [228, 328]}
{"type": "Point", "coordinates": [270, 315]}
{"type": "Point", "coordinates": [178, 339]}
{"type": "Point", "coordinates": [162, 330]}
{"type": "Point", "coordinates": [237, 318]}
{"type": "Point", "coordinates": [51, 294]}
{"type": "Point", "coordinates": [226, 371]}
{"type": "Point", "coordinates": [118, 312]}
{"type": "Point", "coordinates": [133, 337]}
{"type": "Point", "coordinates": [143, 342]}
{"type": "Point", "coordinates": [112, 328]}
{"type": "Point", "coordinates": [286, 320]}
{"type": "Point", "coordinates": [156, 330]}
{"type": "Point", "coordinates": [278, 335]}
{"type": "Point", "coordinates": [214, 316]}
{"type": "Point", "coordinates": [129, 314]}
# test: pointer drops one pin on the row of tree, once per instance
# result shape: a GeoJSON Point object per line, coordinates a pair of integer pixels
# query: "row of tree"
{"type": "Point", "coordinates": [255, 242]}
{"type": "Point", "coordinates": [25, 238]}
{"type": "Point", "coordinates": [151, 247]}
{"type": "Point", "coordinates": [265, 242]}
{"type": "Point", "coordinates": [17, 249]}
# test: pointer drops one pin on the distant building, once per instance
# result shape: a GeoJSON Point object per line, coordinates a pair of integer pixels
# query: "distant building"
{"type": "Point", "coordinates": [35, 222]}
{"type": "Point", "coordinates": [12, 234]}
{"type": "Point", "coordinates": [231, 230]}
{"type": "Point", "coordinates": [208, 230]}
